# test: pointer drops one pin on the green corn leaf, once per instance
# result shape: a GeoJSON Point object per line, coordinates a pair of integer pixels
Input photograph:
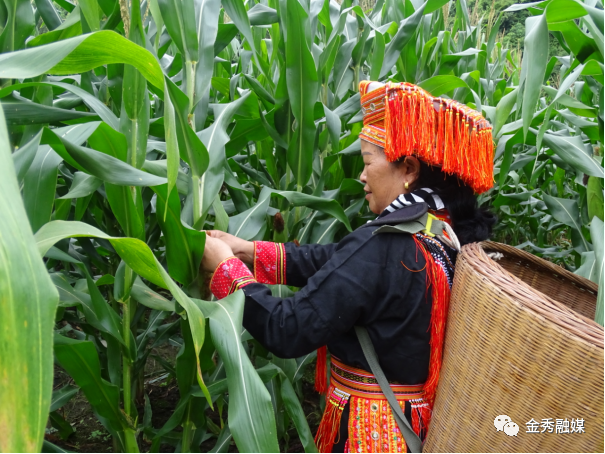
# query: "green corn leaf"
{"type": "Point", "coordinates": [439, 85]}
{"type": "Point", "coordinates": [238, 14]}
{"type": "Point", "coordinates": [221, 221]}
{"type": "Point", "coordinates": [331, 207]}
{"type": "Point", "coordinates": [62, 396]}
{"type": "Point", "coordinates": [71, 27]}
{"type": "Point", "coordinates": [503, 110]}
{"type": "Point", "coordinates": [185, 375]}
{"type": "Point", "coordinates": [596, 233]}
{"type": "Point", "coordinates": [296, 413]}
{"type": "Point", "coordinates": [250, 223]}
{"type": "Point", "coordinates": [108, 320]}
{"type": "Point", "coordinates": [126, 202]}
{"type": "Point", "coordinates": [83, 185]}
{"type": "Point", "coordinates": [594, 197]}
{"type": "Point", "coordinates": [58, 422]}
{"type": "Point", "coordinates": [251, 417]}
{"type": "Point", "coordinates": [343, 74]}
{"type": "Point", "coordinates": [434, 5]}
{"type": "Point", "coordinates": [19, 23]}
{"type": "Point", "coordinates": [90, 11]}
{"type": "Point", "coordinates": [572, 151]}
{"type": "Point", "coordinates": [160, 168]}
{"type": "Point", "coordinates": [147, 297]}
{"type": "Point", "coordinates": [324, 231]}
{"type": "Point", "coordinates": [407, 29]}
{"type": "Point", "coordinates": [179, 18]}
{"type": "Point", "coordinates": [172, 146]}
{"type": "Point", "coordinates": [261, 14]}
{"type": "Point", "coordinates": [225, 34]}
{"type": "Point", "coordinates": [334, 128]}
{"type": "Point", "coordinates": [191, 147]}
{"type": "Point", "coordinates": [81, 54]}
{"type": "Point", "coordinates": [30, 113]}
{"type": "Point", "coordinates": [39, 186]}
{"type": "Point", "coordinates": [567, 212]}
{"type": "Point", "coordinates": [223, 440]}
{"type": "Point", "coordinates": [134, 120]}
{"type": "Point", "coordinates": [184, 245]}
{"type": "Point", "coordinates": [81, 361]}
{"type": "Point", "coordinates": [99, 164]}
{"type": "Point", "coordinates": [29, 303]}
{"type": "Point", "coordinates": [96, 311]}
{"type": "Point", "coordinates": [206, 17]}
{"type": "Point", "coordinates": [260, 91]}
{"type": "Point", "coordinates": [137, 256]}
{"type": "Point", "coordinates": [215, 138]}
{"type": "Point", "coordinates": [302, 82]}
{"type": "Point", "coordinates": [49, 14]}
{"type": "Point", "coordinates": [534, 65]}
{"type": "Point", "coordinates": [93, 103]}
{"type": "Point", "coordinates": [24, 156]}
{"type": "Point", "coordinates": [47, 446]}
{"type": "Point", "coordinates": [377, 56]}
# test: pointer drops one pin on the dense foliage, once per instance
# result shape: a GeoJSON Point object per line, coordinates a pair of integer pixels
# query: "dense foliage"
{"type": "Point", "coordinates": [129, 128]}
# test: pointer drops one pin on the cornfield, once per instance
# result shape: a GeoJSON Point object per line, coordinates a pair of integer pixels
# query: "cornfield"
{"type": "Point", "coordinates": [127, 129]}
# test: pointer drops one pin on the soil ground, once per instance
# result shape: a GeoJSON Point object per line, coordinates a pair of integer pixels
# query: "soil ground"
{"type": "Point", "coordinates": [90, 435]}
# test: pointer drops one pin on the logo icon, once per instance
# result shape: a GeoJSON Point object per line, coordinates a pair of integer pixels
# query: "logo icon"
{"type": "Point", "coordinates": [511, 429]}
{"type": "Point", "coordinates": [500, 421]}
{"type": "Point", "coordinates": [503, 423]}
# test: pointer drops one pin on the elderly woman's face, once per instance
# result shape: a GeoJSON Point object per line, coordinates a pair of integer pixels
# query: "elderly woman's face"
{"type": "Point", "coordinates": [385, 181]}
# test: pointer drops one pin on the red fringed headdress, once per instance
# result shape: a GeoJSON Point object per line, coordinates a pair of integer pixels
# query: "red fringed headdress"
{"type": "Point", "coordinates": [405, 120]}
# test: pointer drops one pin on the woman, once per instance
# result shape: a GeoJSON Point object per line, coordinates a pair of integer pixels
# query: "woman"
{"type": "Point", "coordinates": [419, 153]}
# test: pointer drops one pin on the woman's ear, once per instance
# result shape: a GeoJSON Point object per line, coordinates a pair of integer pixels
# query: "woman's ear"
{"type": "Point", "coordinates": [411, 168]}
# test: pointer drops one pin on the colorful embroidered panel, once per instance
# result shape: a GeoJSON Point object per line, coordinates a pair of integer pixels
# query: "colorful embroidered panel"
{"type": "Point", "coordinates": [371, 426]}
{"type": "Point", "coordinates": [230, 275]}
{"type": "Point", "coordinates": [269, 262]}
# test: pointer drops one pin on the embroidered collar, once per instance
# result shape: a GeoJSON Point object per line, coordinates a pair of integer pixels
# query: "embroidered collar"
{"type": "Point", "coordinates": [423, 195]}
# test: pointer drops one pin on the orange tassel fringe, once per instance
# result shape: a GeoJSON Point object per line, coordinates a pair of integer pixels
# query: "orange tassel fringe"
{"type": "Point", "coordinates": [421, 417]}
{"type": "Point", "coordinates": [438, 131]}
{"type": "Point", "coordinates": [321, 370]}
{"type": "Point", "coordinates": [330, 421]}
{"type": "Point", "coordinates": [440, 291]}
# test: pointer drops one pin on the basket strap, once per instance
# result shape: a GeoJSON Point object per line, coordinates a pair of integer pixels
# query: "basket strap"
{"type": "Point", "coordinates": [412, 440]}
{"type": "Point", "coordinates": [427, 223]}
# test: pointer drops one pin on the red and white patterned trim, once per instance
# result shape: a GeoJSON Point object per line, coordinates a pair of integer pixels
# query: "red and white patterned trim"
{"type": "Point", "coordinates": [269, 262]}
{"type": "Point", "coordinates": [230, 275]}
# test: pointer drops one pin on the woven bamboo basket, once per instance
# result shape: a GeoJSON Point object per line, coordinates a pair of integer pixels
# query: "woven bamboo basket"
{"type": "Point", "coordinates": [521, 342]}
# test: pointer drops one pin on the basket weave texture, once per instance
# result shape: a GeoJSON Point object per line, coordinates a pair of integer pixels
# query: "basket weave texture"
{"type": "Point", "coordinates": [520, 342]}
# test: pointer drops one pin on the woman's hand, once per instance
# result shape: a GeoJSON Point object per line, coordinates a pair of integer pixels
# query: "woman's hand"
{"type": "Point", "coordinates": [215, 252]}
{"type": "Point", "coordinates": [242, 249]}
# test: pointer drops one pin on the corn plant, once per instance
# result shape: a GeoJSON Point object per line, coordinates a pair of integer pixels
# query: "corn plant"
{"type": "Point", "coordinates": [135, 126]}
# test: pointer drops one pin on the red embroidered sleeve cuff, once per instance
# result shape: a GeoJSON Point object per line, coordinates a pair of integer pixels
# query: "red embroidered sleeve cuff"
{"type": "Point", "coordinates": [269, 262]}
{"type": "Point", "coordinates": [230, 275]}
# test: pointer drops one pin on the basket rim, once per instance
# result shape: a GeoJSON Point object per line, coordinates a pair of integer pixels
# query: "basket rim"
{"type": "Point", "coordinates": [521, 293]}
{"type": "Point", "coordinates": [556, 269]}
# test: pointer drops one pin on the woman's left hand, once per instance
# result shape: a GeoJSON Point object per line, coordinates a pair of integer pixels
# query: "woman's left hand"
{"type": "Point", "coordinates": [214, 253]}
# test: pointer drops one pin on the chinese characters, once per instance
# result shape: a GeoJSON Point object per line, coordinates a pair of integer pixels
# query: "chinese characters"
{"type": "Point", "coordinates": [557, 426]}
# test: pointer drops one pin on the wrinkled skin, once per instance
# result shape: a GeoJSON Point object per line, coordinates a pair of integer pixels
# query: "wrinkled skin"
{"type": "Point", "coordinates": [383, 180]}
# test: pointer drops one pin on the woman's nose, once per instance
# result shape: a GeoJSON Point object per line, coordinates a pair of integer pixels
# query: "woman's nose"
{"type": "Point", "coordinates": [362, 177]}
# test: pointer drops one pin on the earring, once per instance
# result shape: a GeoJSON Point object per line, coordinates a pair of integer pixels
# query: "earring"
{"type": "Point", "coordinates": [406, 185]}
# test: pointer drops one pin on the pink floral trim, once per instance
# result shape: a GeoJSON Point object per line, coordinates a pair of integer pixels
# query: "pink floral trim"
{"type": "Point", "coordinates": [269, 262]}
{"type": "Point", "coordinates": [230, 275]}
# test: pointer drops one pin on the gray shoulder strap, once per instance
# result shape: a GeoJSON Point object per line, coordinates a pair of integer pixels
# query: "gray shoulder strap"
{"type": "Point", "coordinates": [413, 441]}
{"type": "Point", "coordinates": [415, 226]}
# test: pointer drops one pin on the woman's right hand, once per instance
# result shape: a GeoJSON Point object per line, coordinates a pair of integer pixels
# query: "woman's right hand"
{"type": "Point", "coordinates": [242, 249]}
